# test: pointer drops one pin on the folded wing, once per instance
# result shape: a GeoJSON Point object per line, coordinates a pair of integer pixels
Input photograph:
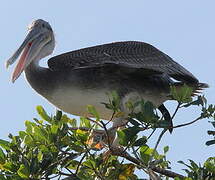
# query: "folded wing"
{"type": "Point", "coordinates": [129, 56]}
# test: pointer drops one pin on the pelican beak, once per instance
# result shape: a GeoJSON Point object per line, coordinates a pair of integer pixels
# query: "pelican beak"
{"type": "Point", "coordinates": [28, 51]}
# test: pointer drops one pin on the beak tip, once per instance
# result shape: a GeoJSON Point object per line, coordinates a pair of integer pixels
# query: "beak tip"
{"type": "Point", "coordinates": [13, 79]}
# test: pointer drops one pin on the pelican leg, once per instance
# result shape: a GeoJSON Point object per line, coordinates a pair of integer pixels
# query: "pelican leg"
{"type": "Point", "coordinates": [166, 116]}
{"type": "Point", "coordinates": [98, 139]}
{"type": "Point", "coordinates": [118, 123]}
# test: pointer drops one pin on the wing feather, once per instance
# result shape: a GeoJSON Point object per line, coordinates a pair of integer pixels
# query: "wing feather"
{"type": "Point", "coordinates": [129, 54]}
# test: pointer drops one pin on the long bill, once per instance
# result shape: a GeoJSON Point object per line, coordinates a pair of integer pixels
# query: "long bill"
{"type": "Point", "coordinates": [28, 51]}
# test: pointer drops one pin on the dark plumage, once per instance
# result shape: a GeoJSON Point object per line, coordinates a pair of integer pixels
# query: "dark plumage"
{"type": "Point", "coordinates": [130, 55]}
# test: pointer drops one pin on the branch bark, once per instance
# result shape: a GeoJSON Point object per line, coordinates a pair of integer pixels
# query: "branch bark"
{"type": "Point", "coordinates": [162, 171]}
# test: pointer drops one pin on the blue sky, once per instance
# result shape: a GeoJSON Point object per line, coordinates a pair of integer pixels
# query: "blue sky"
{"type": "Point", "coordinates": [182, 29]}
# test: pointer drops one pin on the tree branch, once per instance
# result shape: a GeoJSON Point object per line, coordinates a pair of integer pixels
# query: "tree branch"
{"type": "Point", "coordinates": [186, 124]}
{"type": "Point", "coordinates": [167, 172]}
{"type": "Point", "coordinates": [154, 168]}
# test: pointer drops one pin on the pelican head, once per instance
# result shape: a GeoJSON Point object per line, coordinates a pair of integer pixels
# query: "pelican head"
{"type": "Point", "coordinates": [38, 44]}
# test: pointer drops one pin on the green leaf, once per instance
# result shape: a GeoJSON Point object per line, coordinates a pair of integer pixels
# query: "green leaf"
{"type": "Point", "coordinates": [5, 144]}
{"type": "Point", "coordinates": [81, 135]}
{"type": "Point", "coordinates": [22, 134]}
{"type": "Point", "coordinates": [108, 106]}
{"type": "Point", "coordinates": [43, 114]}
{"type": "Point", "coordinates": [92, 110]}
{"type": "Point", "coordinates": [73, 164]}
{"type": "Point", "coordinates": [166, 149]}
{"type": "Point", "coordinates": [40, 156]}
{"type": "Point", "coordinates": [182, 93]}
{"type": "Point", "coordinates": [72, 122]}
{"type": "Point", "coordinates": [54, 129]}
{"type": "Point", "coordinates": [84, 122]}
{"type": "Point", "coordinates": [115, 100]}
{"type": "Point", "coordinates": [177, 178]}
{"type": "Point", "coordinates": [188, 178]}
{"type": "Point", "coordinates": [194, 165]}
{"type": "Point", "coordinates": [129, 105]}
{"type": "Point", "coordinates": [28, 140]}
{"type": "Point", "coordinates": [140, 142]}
{"type": "Point", "coordinates": [2, 156]}
{"type": "Point", "coordinates": [210, 164]}
{"type": "Point", "coordinates": [28, 126]}
{"type": "Point", "coordinates": [65, 119]}
{"type": "Point", "coordinates": [181, 162]}
{"type": "Point", "coordinates": [77, 148]}
{"type": "Point", "coordinates": [128, 170]}
{"type": "Point", "coordinates": [23, 171]}
{"type": "Point", "coordinates": [148, 109]}
{"type": "Point", "coordinates": [122, 138]}
{"type": "Point", "coordinates": [134, 122]}
{"type": "Point", "coordinates": [90, 163]}
{"type": "Point", "coordinates": [44, 148]}
{"type": "Point", "coordinates": [58, 115]}
{"type": "Point", "coordinates": [40, 122]}
{"type": "Point", "coordinates": [145, 153]}
{"type": "Point", "coordinates": [147, 114]}
{"type": "Point", "coordinates": [9, 166]}
{"type": "Point", "coordinates": [127, 135]}
{"type": "Point", "coordinates": [40, 133]}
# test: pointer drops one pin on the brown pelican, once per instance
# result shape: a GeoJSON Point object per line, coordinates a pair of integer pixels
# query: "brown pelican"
{"type": "Point", "coordinates": [75, 79]}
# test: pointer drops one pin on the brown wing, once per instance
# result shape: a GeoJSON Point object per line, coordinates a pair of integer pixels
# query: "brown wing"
{"type": "Point", "coordinates": [131, 55]}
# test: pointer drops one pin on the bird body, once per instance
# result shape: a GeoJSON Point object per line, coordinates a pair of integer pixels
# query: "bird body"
{"type": "Point", "coordinates": [135, 70]}
{"type": "Point", "coordinates": [73, 84]}
{"type": "Point", "coordinates": [72, 90]}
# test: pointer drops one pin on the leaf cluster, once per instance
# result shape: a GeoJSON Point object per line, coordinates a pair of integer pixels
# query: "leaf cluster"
{"type": "Point", "coordinates": [55, 146]}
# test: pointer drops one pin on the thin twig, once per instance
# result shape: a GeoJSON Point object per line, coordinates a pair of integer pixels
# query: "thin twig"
{"type": "Point", "coordinates": [151, 134]}
{"type": "Point", "coordinates": [156, 145]}
{"type": "Point", "coordinates": [107, 134]}
{"type": "Point", "coordinates": [159, 138]}
{"type": "Point", "coordinates": [111, 118]}
{"type": "Point", "coordinates": [97, 123]}
{"type": "Point", "coordinates": [68, 170]}
{"type": "Point", "coordinates": [186, 124]}
{"type": "Point", "coordinates": [176, 110]}
{"type": "Point", "coordinates": [79, 164]}
{"type": "Point", "coordinates": [69, 175]}
{"type": "Point", "coordinates": [135, 153]}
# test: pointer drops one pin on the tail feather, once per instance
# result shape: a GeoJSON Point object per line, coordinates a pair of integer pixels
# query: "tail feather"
{"type": "Point", "coordinates": [198, 88]}
{"type": "Point", "coordinates": [202, 86]}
